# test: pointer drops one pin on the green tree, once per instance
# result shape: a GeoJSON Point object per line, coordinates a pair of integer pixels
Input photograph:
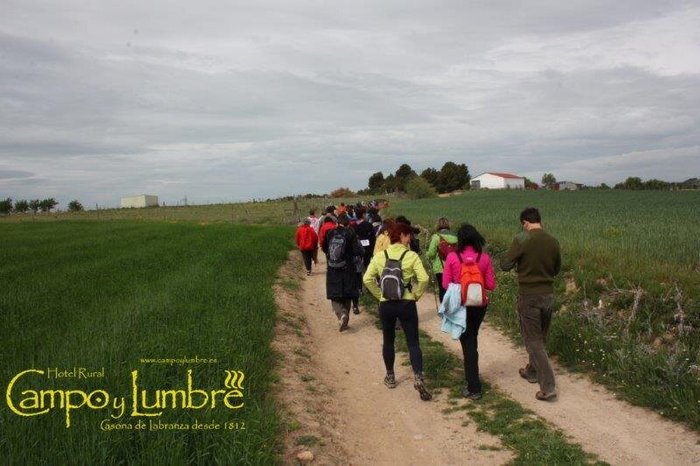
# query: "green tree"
{"type": "Point", "coordinates": [75, 206]}
{"type": "Point", "coordinates": [658, 185]}
{"type": "Point", "coordinates": [419, 188]}
{"type": "Point", "coordinates": [631, 183]}
{"type": "Point", "coordinates": [6, 206]}
{"type": "Point", "coordinates": [47, 204]}
{"type": "Point", "coordinates": [35, 205]}
{"type": "Point", "coordinates": [390, 184]}
{"type": "Point", "coordinates": [432, 176]}
{"type": "Point", "coordinates": [402, 175]}
{"type": "Point", "coordinates": [375, 183]}
{"type": "Point", "coordinates": [548, 180]}
{"type": "Point", "coordinates": [529, 184]}
{"type": "Point", "coordinates": [453, 177]}
{"type": "Point", "coordinates": [21, 206]}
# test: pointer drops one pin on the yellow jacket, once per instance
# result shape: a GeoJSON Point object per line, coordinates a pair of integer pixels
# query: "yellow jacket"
{"type": "Point", "coordinates": [411, 266]}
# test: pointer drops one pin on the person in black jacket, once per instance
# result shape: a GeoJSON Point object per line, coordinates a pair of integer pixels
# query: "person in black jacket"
{"type": "Point", "coordinates": [341, 277]}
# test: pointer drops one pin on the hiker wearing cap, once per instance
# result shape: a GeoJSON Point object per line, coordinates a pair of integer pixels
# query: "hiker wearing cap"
{"type": "Point", "coordinates": [441, 244]}
{"type": "Point", "coordinates": [537, 257]}
{"type": "Point", "coordinates": [397, 267]}
{"type": "Point", "coordinates": [307, 242]}
{"type": "Point", "coordinates": [470, 248]}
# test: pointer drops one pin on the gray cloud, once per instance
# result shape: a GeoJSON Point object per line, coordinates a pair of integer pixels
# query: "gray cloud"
{"type": "Point", "coordinates": [220, 102]}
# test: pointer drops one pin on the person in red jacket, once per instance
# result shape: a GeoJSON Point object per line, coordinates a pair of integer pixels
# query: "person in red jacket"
{"type": "Point", "coordinates": [307, 241]}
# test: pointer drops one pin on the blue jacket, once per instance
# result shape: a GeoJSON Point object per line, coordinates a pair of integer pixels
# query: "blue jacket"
{"type": "Point", "coordinates": [454, 315]}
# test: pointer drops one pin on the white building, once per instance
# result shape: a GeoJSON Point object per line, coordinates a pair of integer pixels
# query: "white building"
{"type": "Point", "coordinates": [144, 200]}
{"type": "Point", "coordinates": [493, 180]}
{"type": "Point", "coordinates": [567, 186]}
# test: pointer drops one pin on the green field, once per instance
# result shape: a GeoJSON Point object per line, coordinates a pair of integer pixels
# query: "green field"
{"type": "Point", "coordinates": [106, 295]}
{"type": "Point", "coordinates": [633, 317]}
{"type": "Point", "coordinates": [109, 288]}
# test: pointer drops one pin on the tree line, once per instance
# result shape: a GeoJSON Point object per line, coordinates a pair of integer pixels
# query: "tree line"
{"type": "Point", "coordinates": [22, 206]}
{"type": "Point", "coordinates": [450, 177]}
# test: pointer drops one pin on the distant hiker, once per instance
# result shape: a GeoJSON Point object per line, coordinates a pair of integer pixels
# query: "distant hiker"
{"type": "Point", "coordinates": [415, 243]}
{"type": "Point", "coordinates": [327, 225]}
{"type": "Point", "coordinates": [537, 257]}
{"type": "Point", "coordinates": [382, 240]}
{"type": "Point", "coordinates": [396, 268]}
{"type": "Point", "coordinates": [441, 244]}
{"type": "Point", "coordinates": [470, 249]}
{"type": "Point", "coordinates": [307, 242]}
{"type": "Point", "coordinates": [365, 233]}
{"type": "Point", "coordinates": [314, 220]}
{"type": "Point", "coordinates": [341, 246]}
{"type": "Point", "coordinates": [359, 270]}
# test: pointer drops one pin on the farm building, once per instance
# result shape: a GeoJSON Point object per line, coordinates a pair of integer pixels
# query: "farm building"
{"type": "Point", "coordinates": [567, 186]}
{"type": "Point", "coordinates": [144, 200]}
{"type": "Point", "coordinates": [493, 180]}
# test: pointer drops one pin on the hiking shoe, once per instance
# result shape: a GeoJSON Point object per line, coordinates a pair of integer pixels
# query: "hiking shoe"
{"type": "Point", "coordinates": [471, 395]}
{"type": "Point", "coordinates": [419, 385]}
{"type": "Point", "coordinates": [344, 322]}
{"type": "Point", "coordinates": [308, 273]}
{"type": "Point", "coordinates": [356, 310]}
{"type": "Point", "coordinates": [524, 374]}
{"type": "Point", "coordinates": [542, 396]}
{"type": "Point", "coordinates": [390, 381]}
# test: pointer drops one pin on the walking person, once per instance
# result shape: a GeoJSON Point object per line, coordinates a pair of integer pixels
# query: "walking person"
{"type": "Point", "coordinates": [341, 247]}
{"type": "Point", "coordinates": [442, 241]}
{"type": "Point", "coordinates": [399, 302]}
{"type": "Point", "coordinates": [537, 257]}
{"type": "Point", "coordinates": [470, 248]}
{"type": "Point", "coordinates": [307, 242]}
{"type": "Point", "coordinates": [365, 233]}
{"type": "Point", "coordinates": [327, 225]}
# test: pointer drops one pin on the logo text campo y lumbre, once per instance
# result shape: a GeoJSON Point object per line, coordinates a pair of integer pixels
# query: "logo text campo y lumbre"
{"type": "Point", "coordinates": [142, 402]}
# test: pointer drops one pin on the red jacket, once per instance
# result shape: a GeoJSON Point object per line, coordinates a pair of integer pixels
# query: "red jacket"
{"type": "Point", "coordinates": [325, 227]}
{"type": "Point", "coordinates": [307, 239]}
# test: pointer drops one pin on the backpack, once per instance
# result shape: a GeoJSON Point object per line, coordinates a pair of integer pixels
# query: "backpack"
{"type": "Point", "coordinates": [472, 282]}
{"type": "Point", "coordinates": [391, 280]}
{"type": "Point", "coordinates": [337, 259]}
{"type": "Point", "coordinates": [444, 248]}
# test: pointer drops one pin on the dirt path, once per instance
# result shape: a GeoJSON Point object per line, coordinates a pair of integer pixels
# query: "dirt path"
{"type": "Point", "coordinates": [590, 414]}
{"type": "Point", "coordinates": [363, 422]}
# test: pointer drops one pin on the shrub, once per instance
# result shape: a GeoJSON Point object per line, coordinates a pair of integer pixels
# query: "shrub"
{"type": "Point", "coordinates": [419, 188]}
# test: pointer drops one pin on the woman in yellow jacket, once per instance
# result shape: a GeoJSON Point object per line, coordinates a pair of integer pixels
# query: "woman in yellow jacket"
{"type": "Point", "coordinates": [404, 309]}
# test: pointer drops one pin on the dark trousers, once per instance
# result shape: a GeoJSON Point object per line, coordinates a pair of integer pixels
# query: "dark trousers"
{"type": "Point", "coordinates": [407, 313]}
{"type": "Point", "coordinates": [535, 312]}
{"type": "Point", "coordinates": [470, 347]}
{"type": "Point", "coordinates": [438, 277]}
{"type": "Point", "coordinates": [308, 257]}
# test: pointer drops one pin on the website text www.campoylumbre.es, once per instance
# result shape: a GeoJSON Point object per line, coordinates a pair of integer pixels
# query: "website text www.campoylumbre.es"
{"type": "Point", "coordinates": [179, 361]}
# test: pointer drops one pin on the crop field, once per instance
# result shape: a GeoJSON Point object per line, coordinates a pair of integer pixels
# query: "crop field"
{"type": "Point", "coordinates": [130, 328]}
{"type": "Point", "coordinates": [629, 294]}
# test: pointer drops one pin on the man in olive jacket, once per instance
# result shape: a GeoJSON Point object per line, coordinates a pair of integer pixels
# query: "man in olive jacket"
{"type": "Point", "coordinates": [536, 255]}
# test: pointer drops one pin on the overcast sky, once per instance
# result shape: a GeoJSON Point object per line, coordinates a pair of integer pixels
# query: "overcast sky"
{"type": "Point", "coordinates": [233, 100]}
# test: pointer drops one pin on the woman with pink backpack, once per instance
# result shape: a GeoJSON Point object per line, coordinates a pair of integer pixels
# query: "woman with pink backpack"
{"type": "Point", "coordinates": [470, 251]}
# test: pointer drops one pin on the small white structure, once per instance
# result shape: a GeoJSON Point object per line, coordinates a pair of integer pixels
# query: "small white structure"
{"type": "Point", "coordinates": [144, 200]}
{"type": "Point", "coordinates": [493, 180]}
{"type": "Point", "coordinates": [567, 186]}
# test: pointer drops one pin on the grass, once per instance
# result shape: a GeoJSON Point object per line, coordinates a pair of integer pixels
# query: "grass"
{"type": "Point", "coordinates": [631, 315]}
{"type": "Point", "coordinates": [109, 294]}
{"type": "Point", "coordinates": [530, 438]}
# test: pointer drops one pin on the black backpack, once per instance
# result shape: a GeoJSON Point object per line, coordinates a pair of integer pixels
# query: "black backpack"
{"type": "Point", "coordinates": [391, 280]}
{"type": "Point", "coordinates": [337, 245]}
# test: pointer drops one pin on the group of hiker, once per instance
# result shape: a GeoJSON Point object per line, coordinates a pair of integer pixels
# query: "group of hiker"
{"type": "Point", "coordinates": [383, 255]}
